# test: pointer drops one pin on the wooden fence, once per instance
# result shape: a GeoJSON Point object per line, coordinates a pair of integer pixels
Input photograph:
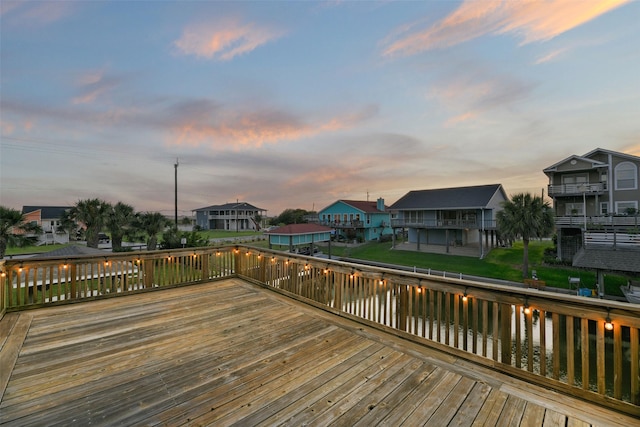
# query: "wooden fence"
{"type": "Point", "coordinates": [585, 347]}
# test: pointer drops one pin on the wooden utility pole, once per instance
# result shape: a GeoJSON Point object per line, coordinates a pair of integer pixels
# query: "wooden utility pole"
{"type": "Point", "coordinates": [176, 193]}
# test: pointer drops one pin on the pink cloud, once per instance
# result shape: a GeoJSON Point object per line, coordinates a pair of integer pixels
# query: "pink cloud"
{"type": "Point", "coordinates": [253, 129]}
{"type": "Point", "coordinates": [224, 41]}
{"type": "Point", "coordinates": [531, 20]}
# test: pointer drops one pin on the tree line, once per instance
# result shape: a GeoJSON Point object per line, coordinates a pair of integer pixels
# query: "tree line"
{"type": "Point", "coordinates": [525, 217]}
{"type": "Point", "coordinates": [90, 217]}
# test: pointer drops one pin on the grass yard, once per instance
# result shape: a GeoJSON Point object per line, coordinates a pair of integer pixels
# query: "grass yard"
{"type": "Point", "coordinates": [500, 263]}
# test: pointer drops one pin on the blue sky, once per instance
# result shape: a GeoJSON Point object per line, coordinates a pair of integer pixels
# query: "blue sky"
{"type": "Point", "coordinates": [298, 104]}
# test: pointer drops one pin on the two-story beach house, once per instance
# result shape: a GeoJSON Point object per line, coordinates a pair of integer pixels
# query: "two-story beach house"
{"type": "Point", "coordinates": [596, 198]}
{"type": "Point", "coordinates": [49, 218]}
{"type": "Point", "coordinates": [239, 216]}
{"type": "Point", "coordinates": [461, 216]}
{"type": "Point", "coordinates": [357, 220]}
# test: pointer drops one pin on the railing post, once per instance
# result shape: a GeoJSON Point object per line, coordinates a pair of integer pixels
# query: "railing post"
{"type": "Point", "coordinates": [237, 267]}
{"type": "Point", "coordinates": [204, 260]}
{"type": "Point", "coordinates": [73, 281]}
{"type": "Point", "coordinates": [505, 333]}
{"type": "Point", "coordinates": [339, 285]}
{"type": "Point", "coordinates": [148, 272]}
{"type": "Point", "coordinates": [404, 302]}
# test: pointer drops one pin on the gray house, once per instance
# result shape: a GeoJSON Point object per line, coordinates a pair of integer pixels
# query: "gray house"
{"type": "Point", "coordinates": [464, 216]}
{"type": "Point", "coordinates": [239, 216]}
{"type": "Point", "coordinates": [596, 198]}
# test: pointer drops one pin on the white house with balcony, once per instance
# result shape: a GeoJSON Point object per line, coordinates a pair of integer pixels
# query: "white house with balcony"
{"type": "Point", "coordinates": [238, 216]}
{"type": "Point", "coordinates": [595, 198]}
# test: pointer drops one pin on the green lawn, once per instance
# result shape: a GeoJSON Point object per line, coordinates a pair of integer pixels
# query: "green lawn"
{"type": "Point", "coordinates": [221, 234]}
{"type": "Point", "coordinates": [500, 263]}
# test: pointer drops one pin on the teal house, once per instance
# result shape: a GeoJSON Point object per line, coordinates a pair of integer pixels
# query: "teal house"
{"type": "Point", "coordinates": [295, 236]}
{"type": "Point", "coordinates": [357, 220]}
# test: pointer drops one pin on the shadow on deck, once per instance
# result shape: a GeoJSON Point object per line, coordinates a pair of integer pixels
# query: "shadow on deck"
{"type": "Point", "coordinates": [229, 352]}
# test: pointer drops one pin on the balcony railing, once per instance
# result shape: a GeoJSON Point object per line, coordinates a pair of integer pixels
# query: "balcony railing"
{"type": "Point", "coordinates": [607, 239]}
{"type": "Point", "coordinates": [573, 189]}
{"type": "Point", "coordinates": [344, 224]}
{"type": "Point", "coordinates": [582, 346]}
{"type": "Point", "coordinates": [444, 223]}
{"type": "Point", "coordinates": [592, 222]}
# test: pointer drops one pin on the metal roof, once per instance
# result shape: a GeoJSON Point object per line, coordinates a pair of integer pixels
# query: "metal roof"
{"type": "Point", "coordinates": [448, 198]}
{"type": "Point", "coordinates": [620, 260]}
{"type": "Point", "coordinates": [230, 206]}
{"type": "Point", "coordinates": [292, 229]}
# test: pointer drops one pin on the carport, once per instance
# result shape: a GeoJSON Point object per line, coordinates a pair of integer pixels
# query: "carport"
{"type": "Point", "coordinates": [624, 261]}
{"type": "Point", "coordinates": [298, 235]}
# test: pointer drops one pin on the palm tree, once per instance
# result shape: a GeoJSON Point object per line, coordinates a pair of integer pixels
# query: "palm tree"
{"type": "Point", "coordinates": [526, 216]}
{"type": "Point", "coordinates": [152, 223]}
{"type": "Point", "coordinates": [119, 221]}
{"type": "Point", "coordinates": [15, 231]}
{"type": "Point", "coordinates": [93, 214]}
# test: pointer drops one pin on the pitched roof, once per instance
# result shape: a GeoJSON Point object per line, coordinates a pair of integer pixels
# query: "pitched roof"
{"type": "Point", "coordinates": [230, 206]}
{"type": "Point", "coordinates": [594, 163]}
{"type": "Point", "coordinates": [621, 260]}
{"type": "Point", "coordinates": [292, 229]}
{"type": "Point", "coordinates": [48, 212]}
{"type": "Point", "coordinates": [615, 153]}
{"type": "Point", "coordinates": [362, 205]}
{"type": "Point", "coordinates": [587, 158]}
{"type": "Point", "coordinates": [449, 198]}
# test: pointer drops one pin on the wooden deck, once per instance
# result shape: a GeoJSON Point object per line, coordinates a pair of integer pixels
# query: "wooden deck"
{"type": "Point", "coordinates": [229, 352]}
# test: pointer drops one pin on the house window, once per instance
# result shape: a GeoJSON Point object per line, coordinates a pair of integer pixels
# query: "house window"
{"type": "Point", "coordinates": [574, 183]}
{"type": "Point", "coordinates": [575, 179]}
{"type": "Point", "coordinates": [622, 208]}
{"type": "Point", "coordinates": [626, 174]}
{"type": "Point", "coordinates": [344, 217]}
{"type": "Point", "coordinates": [604, 208]}
{"type": "Point", "coordinates": [574, 209]}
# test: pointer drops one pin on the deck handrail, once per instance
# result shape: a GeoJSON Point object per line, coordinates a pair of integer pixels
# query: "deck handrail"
{"type": "Point", "coordinates": [489, 324]}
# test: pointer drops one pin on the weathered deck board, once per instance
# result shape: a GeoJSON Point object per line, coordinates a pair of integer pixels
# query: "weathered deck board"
{"type": "Point", "coordinates": [229, 352]}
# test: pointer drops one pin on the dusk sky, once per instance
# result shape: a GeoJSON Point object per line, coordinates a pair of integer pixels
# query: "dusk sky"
{"type": "Point", "coordinates": [299, 104]}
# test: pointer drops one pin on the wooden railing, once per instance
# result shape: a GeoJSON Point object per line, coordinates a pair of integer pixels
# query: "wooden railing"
{"type": "Point", "coordinates": [564, 189]}
{"type": "Point", "coordinates": [443, 223]}
{"type": "Point", "coordinates": [37, 282]}
{"type": "Point", "coordinates": [598, 222]}
{"type": "Point", "coordinates": [585, 347]}
{"type": "Point", "coordinates": [581, 346]}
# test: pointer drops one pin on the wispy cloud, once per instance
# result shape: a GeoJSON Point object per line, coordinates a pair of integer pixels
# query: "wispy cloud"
{"type": "Point", "coordinates": [475, 92]}
{"type": "Point", "coordinates": [224, 41]}
{"type": "Point", "coordinates": [529, 20]}
{"type": "Point", "coordinates": [94, 84]}
{"type": "Point", "coordinates": [22, 12]}
{"type": "Point", "coordinates": [551, 56]}
{"type": "Point", "coordinates": [228, 128]}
